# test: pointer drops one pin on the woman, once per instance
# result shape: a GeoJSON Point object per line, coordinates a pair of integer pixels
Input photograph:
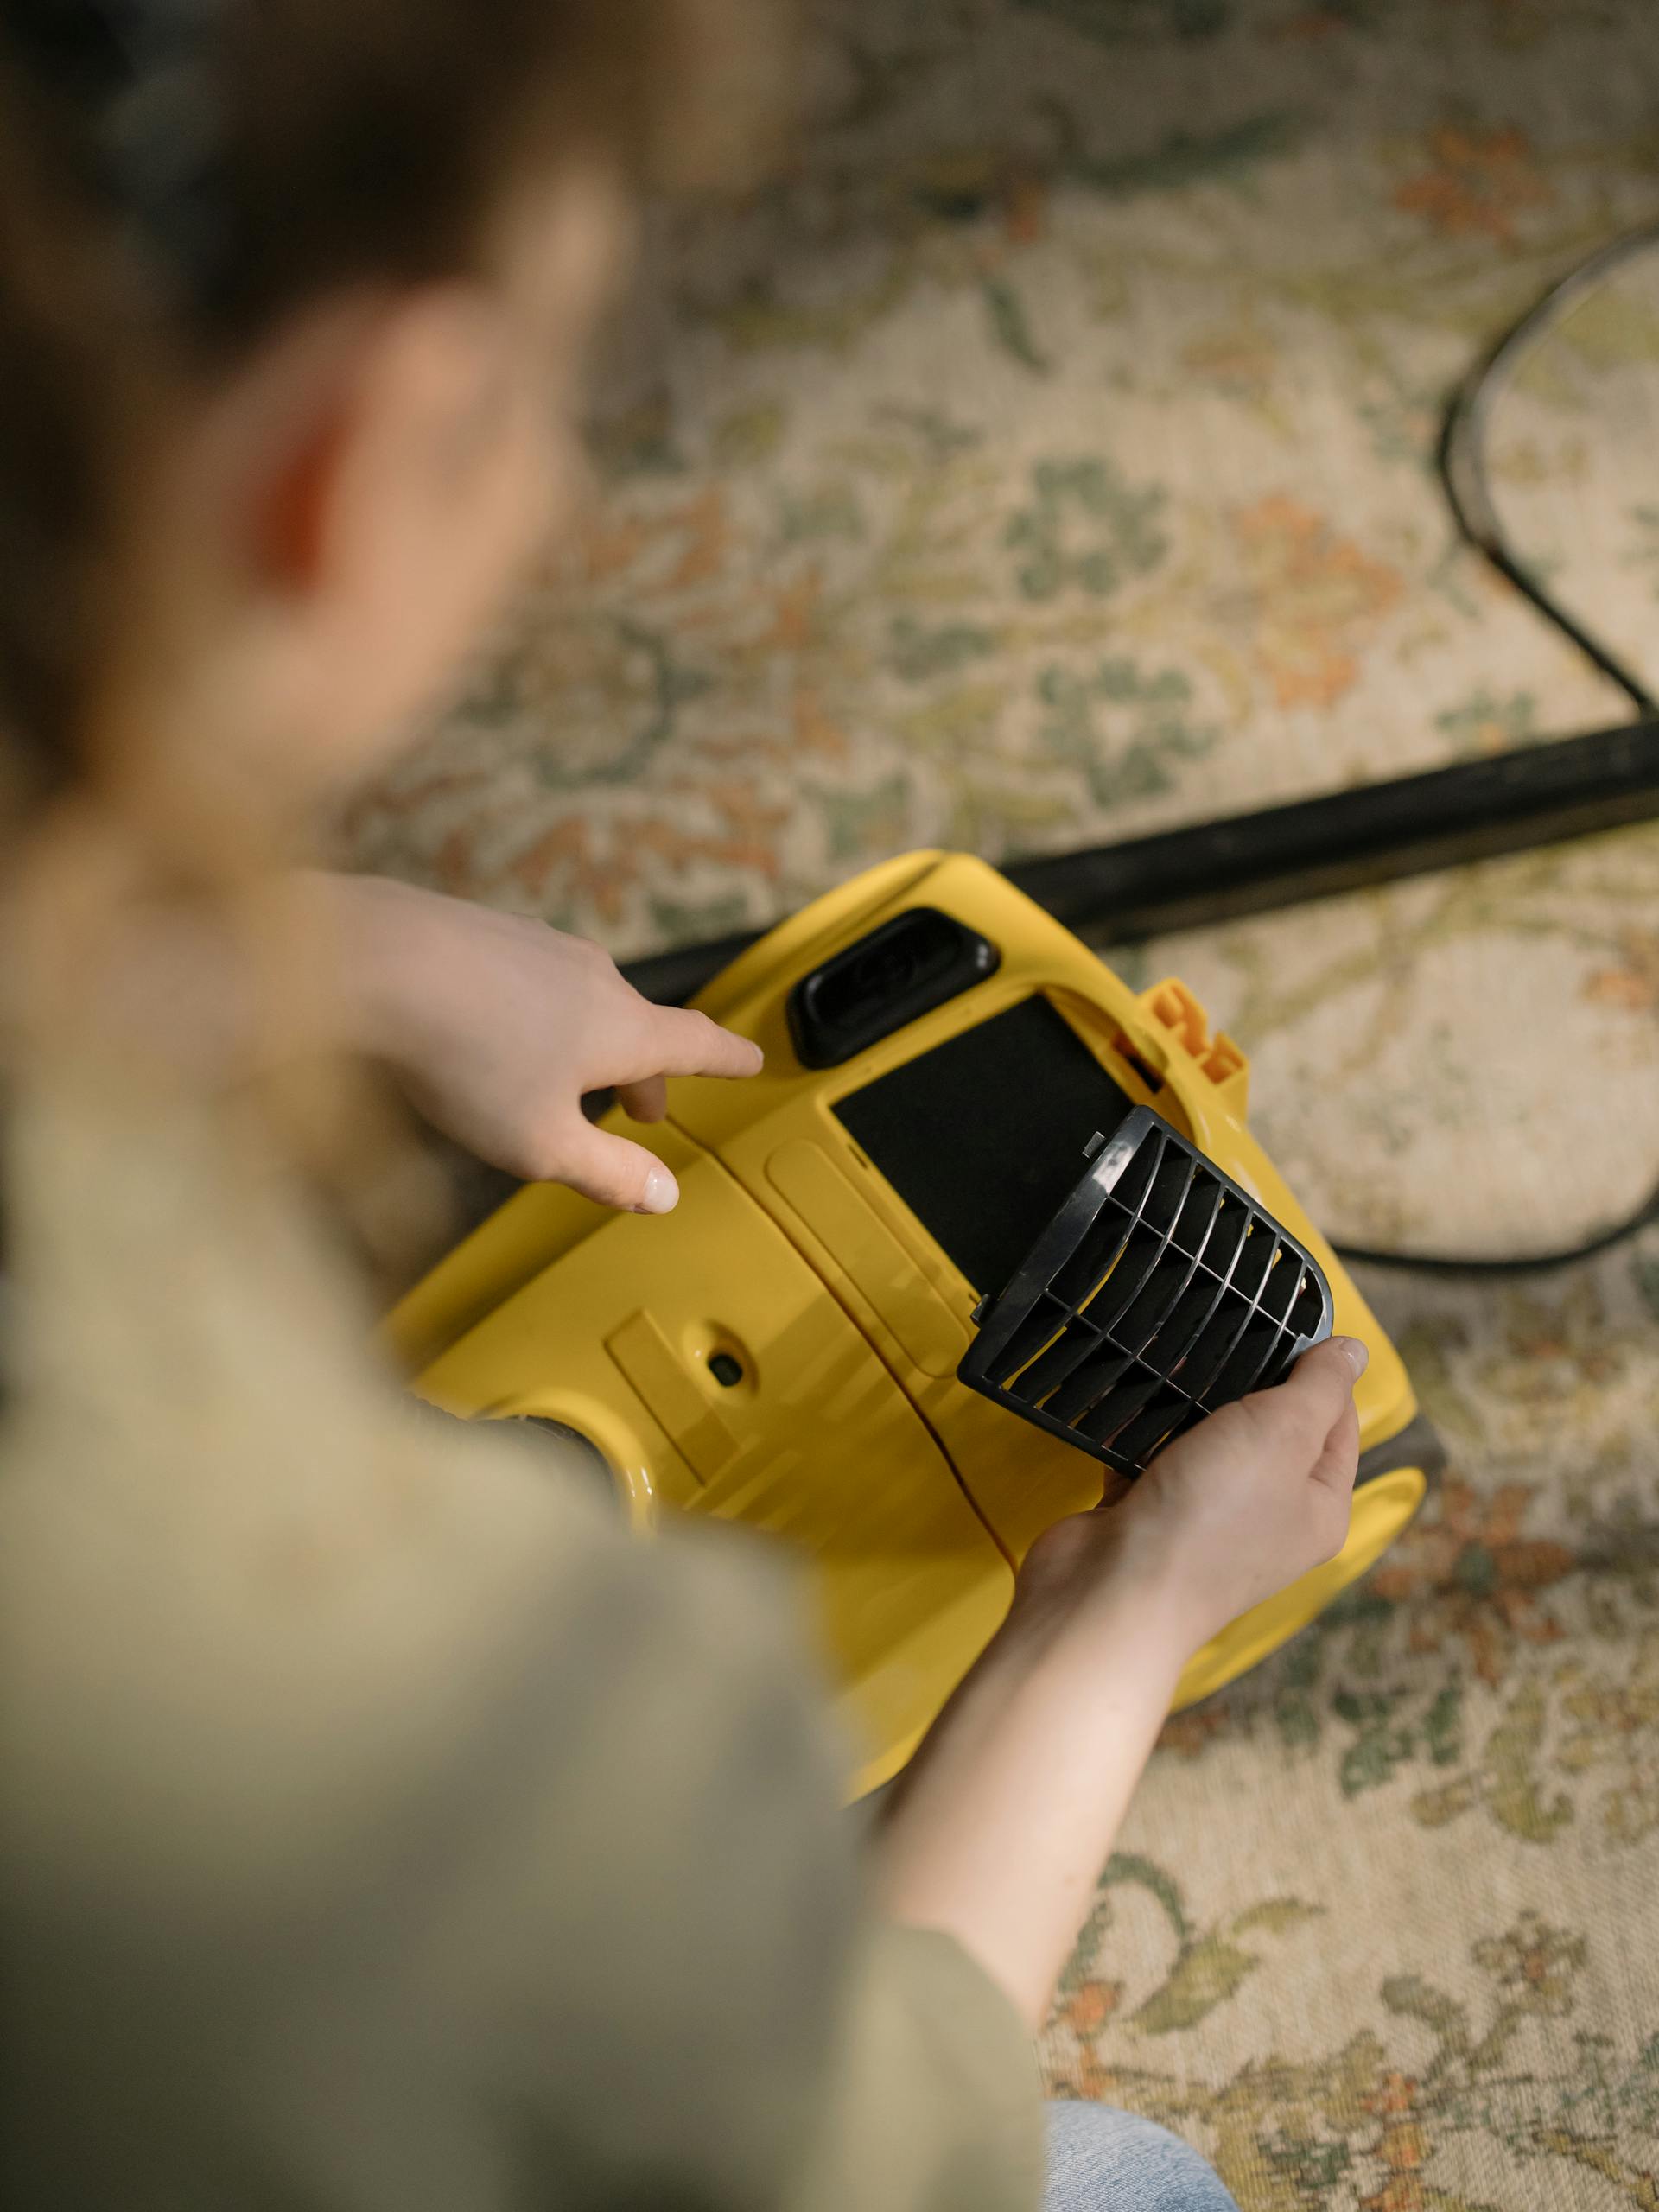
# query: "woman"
{"type": "Point", "coordinates": [381, 1827]}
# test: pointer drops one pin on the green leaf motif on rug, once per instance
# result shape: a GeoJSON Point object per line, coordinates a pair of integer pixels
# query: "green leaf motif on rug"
{"type": "Point", "coordinates": [1310, 2170]}
{"type": "Point", "coordinates": [1275, 1915]}
{"type": "Point", "coordinates": [1382, 1743]}
{"type": "Point", "coordinates": [1205, 1975]}
{"type": "Point", "coordinates": [1506, 1779]}
{"type": "Point", "coordinates": [862, 821]}
{"type": "Point", "coordinates": [829, 510]}
{"type": "Point", "coordinates": [1443, 1726]}
{"type": "Point", "coordinates": [1210, 1964]}
{"type": "Point", "coordinates": [918, 652]}
{"type": "Point", "coordinates": [646, 685]}
{"type": "Point", "coordinates": [1484, 723]}
{"type": "Point", "coordinates": [1128, 732]}
{"type": "Point", "coordinates": [1011, 326]}
{"type": "Point", "coordinates": [1221, 157]}
{"type": "Point", "coordinates": [1129, 1867]}
{"type": "Point", "coordinates": [749, 434]}
{"type": "Point", "coordinates": [1085, 529]}
{"type": "Point", "coordinates": [1215, 1967]}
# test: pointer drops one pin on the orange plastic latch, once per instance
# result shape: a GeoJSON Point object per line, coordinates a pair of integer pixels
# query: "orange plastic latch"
{"type": "Point", "coordinates": [1174, 1008]}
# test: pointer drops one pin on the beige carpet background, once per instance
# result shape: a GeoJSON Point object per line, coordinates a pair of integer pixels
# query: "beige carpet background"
{"type": "Point", "coordinates": [1046, 460]}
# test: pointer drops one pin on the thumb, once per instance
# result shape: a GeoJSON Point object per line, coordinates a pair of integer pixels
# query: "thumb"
{"type": "Point", "coordinates": [613, 1173]}
{"type": "Point", "coordinates": [1325, 1377]}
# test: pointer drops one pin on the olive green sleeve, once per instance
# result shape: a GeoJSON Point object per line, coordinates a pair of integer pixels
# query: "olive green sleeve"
{"type": "Point", "coordinates": [933, 2101]}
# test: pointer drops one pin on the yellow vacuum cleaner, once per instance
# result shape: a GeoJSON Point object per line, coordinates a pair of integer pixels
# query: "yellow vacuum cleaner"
{"type": "Point", "coordinates": [988, 1231]}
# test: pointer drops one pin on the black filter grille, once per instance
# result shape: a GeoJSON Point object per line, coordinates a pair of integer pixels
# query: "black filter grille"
{"type": "Point", "coordinates": [1159, 1291]}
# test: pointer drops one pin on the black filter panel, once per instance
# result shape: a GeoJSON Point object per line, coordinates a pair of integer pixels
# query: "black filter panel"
{"type": "Point", "coordinates": [981, 1137]}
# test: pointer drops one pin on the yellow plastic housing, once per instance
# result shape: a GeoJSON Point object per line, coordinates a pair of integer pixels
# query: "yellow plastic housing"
{"type": "Point", "coordinates": [909, 1498]}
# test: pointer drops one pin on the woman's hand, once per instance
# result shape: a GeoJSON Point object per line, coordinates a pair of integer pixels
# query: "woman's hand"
{"type": "Point", "coordinates": [496, 1026]}
{"type": "Point", "coordinates": [1246, 1503]}
{"type": "Point", "coordinates": [997, 1831]}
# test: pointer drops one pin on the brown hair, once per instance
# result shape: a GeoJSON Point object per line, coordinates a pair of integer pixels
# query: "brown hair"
{"type": "Point", "coordinates": [175, 175]}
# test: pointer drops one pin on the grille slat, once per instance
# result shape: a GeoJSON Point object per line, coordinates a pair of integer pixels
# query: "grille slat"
{"type": "Point", "coordinates": [1193, 1313]}
{"type": "Point", "coordinates": [1127, 1279]}
{"type": "Point", "coordinates": [1159, 1291]}
{"type": "Point", "coordinates": [1157, 1301]}
{"type": "Point", "coordinates": [1101, 1249]}
{"type": "Point", "coordinates": [1170, 1184]}
{"type": "Point", "coordinates": [1247, 1370]}
{"type": "Point", "coordinates": [1256, 1256]}
{"type": "Point", "coordinates": [1129, 1189]}
{"type": "Point", "coordinates": [1227, 1240]}
{"type": "Point", "coordinates": [1279, 1291]}
{"type": "Point", "coordinates": [1309, 1306]}
{"type": "Point", "coordinates": [1207, 1362]}
{"type": "Point", "coordinates": [1025, 1335]}
{"type": "Point", "coordinates": [1110, 1414]}
{"type": "Point", "coordinates": [1205, 1201]}
{"type": "Point", "coordinates": [1051, 1367]}
{"type": "Point", "coordinates": [1087, 1384]}
{"type": "Point", "coordinates": [1151, 1428]}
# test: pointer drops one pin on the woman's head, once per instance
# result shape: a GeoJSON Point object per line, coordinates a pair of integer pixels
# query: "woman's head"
{"type": "Point", "coordinates": [294, 299]}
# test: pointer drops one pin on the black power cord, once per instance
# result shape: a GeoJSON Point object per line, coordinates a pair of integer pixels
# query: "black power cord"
{"type": "Point", "coordinates": [1462, 453]}
{"type": "Point", "coordinates": [1462, 461]}
{"type": "Point", "coordinates": [1522, 1263]}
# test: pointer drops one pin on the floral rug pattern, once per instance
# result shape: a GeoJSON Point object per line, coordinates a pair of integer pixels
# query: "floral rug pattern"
{"type": "Point", "coordinates": [1046, 460]}
{"type": "Point", "coordinates": [1381, 1930]}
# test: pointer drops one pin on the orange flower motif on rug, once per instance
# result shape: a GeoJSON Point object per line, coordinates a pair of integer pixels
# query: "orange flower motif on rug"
{"type": "Point", "coordinates": [1633, 985]}
{"type": "Point", "coordinates": [1476, 182]}
{"type": "Point", "coordinates": [1312, 600]}
{"type": "Point", "coordinates": [1472, 1575]}
{"type": "Point", "coordinates": [1088, 2007]}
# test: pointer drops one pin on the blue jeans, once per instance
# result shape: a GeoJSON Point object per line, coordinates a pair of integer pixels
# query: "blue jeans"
{"type": "Point", "coordinates": [1101, 2160]}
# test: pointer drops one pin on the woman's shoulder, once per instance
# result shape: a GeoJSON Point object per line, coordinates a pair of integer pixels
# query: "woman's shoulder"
{"type": "Point", "coordinates": [225, 1528]}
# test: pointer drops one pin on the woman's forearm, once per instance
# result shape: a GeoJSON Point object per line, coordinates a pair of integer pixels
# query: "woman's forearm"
{"type": "Point", "coordinates": [998, 1830]}
{"type": "Point", "coordinates": [999, 1827]}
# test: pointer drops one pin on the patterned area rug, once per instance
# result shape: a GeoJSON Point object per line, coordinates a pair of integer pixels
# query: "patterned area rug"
{"type": "Point", "coordinates": [1048, 461]}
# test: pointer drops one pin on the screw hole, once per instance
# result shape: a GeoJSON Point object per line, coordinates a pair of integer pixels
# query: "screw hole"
{"type": "Point", "coordinates": [726, 1370]}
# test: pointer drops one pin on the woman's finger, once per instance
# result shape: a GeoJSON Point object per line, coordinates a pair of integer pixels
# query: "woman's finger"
{"type": "Point", "coordinates": [613, 1173]}
{"type": "Point", "coordinates": [683, 1042]}
{"type": "Point", "coordinates": [645, 1101]}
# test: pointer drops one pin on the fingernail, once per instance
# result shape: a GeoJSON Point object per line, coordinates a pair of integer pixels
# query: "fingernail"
{"type": "Point", "coordinates": [661, 1192]}
{"type": "Point", "coordinates": [759, 1058]}
{"type": "Point", "coordinates": [1357, 1355]}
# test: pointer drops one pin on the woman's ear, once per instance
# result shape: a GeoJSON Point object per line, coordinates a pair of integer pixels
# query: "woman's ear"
{"type": "Point", "coordinates": [390, 475]}
{"type": "Point", "coordinates": [368, 431]}
{"type": "Point", "coordinates": [353, 504]}
{"type": "Point", "coordinates": [290, 523]}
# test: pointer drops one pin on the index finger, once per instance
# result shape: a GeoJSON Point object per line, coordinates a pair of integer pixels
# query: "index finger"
{"type": "Point", "coordinates": [688, 1043]}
